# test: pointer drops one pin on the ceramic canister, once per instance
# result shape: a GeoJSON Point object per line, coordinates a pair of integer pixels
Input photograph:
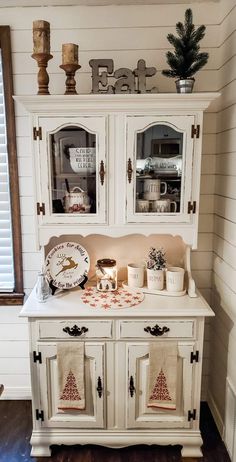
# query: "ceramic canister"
{"type": "Point", "coordinates": [175, 279]}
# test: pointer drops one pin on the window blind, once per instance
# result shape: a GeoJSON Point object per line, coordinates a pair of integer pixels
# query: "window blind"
{"type": "Point", "coordinates": [6, 248]}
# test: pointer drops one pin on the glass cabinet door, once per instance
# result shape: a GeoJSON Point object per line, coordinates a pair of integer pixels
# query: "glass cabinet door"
{"type": "Point", "coordinates": [159, 168]}
{"type": "Point", "coordinates": [72, 162]}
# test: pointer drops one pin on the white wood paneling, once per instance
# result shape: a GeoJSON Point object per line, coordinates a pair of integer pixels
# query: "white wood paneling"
{"type": "Point", "coordinates": [225, 229]}
{"type": "Point", "coordinates": [226, 163]}
{"type": "Point", "coordinates": [224, 273]}
{"type": "Point", "coordinates": [230, 429]}
{"type": "Point", "coordinates": [225, 208]}
{"type": "Point", "coordinates": [17, 349]}
{"type": "Point", "coordinates": [225, 250]}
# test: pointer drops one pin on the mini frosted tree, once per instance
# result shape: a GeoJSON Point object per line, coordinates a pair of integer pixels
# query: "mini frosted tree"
{"type": "Point", "coordinates": [186, 59]}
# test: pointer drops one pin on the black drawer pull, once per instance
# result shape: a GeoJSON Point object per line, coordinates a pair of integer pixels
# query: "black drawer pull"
{"type": "Point", "coordinates": [157, 331]}
{"type": "Point", "coordinates": [99, 387]}
{"type": "Point", "coordinates": [75, 331]}
{"type": "Point", "coordinates": [131, 386]}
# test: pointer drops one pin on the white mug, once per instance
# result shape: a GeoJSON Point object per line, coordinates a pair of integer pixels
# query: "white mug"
{"type": "Point", "coordinates": [164, 206]}
{"type": "Point", "coordinates": [152, 189]}
{"type": "Point", "coordinates": [135, 275]}
{"type": "Point", "coordinates": [142, 206]}
{"type": "Point", "coordinates": [174, 279]}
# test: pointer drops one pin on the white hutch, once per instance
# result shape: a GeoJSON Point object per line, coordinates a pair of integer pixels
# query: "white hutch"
{"type": "Point", "coordinates": [134, 142]}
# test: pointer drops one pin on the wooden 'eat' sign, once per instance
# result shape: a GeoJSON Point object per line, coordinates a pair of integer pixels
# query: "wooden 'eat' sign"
{"type": "Point", "coordinates": [127, 81]}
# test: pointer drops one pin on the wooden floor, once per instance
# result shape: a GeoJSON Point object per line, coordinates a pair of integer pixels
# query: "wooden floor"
{"type": "Point", "coordinates": [15, 431]}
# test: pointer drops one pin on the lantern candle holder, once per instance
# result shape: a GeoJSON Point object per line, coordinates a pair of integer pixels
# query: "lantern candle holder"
{"type": "Point", "coordinates": [106, 275]}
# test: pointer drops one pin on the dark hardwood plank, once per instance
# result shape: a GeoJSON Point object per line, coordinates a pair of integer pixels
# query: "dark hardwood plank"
{"type": "Point", "coordinates": [16, 427]}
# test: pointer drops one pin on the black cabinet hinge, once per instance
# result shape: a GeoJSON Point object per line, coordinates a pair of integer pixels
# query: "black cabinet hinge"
{"type": "Point", "coordinates": [195, 131]}
{"type": "Point", "coordinates": [194, 356]}
{"type": "Point", "coordinates": [39, 415]}
{"type": "Point", "coordinates": [37, 357]}
{"type": "Point", "coordinates": [192, 207]}
{"type": "Point", "coordinates": [192, 415]}
{"type": "Point", "coordinates": [37, 133]}
{"type": "Point", "coordinates": [40, 208]}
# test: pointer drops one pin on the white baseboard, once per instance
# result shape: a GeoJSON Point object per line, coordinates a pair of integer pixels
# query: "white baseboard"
{"type": "Point", "coordinates": [216, 414]}
{"type": "Point", "coordinates": [16, 393]}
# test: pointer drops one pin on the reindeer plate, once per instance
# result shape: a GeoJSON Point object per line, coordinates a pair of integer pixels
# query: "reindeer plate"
{"type": "Point", "coordinates": [67, 265]}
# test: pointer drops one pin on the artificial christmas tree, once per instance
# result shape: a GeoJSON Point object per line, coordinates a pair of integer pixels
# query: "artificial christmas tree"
{"type": "Point", "coordinates": [186, 59]}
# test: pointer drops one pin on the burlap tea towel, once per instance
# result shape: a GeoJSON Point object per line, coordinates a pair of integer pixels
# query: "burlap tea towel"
{"type": "Point", "coordinates": [162, 375]}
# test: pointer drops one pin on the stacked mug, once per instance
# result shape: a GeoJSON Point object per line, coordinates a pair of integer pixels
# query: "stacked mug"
{"type": "Point", "coordinates": [152, 201]}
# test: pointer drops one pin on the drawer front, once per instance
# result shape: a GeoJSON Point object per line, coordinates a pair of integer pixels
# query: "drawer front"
{"type": "Point", "coordinates": [153, 329]}
{"type": "Point", "coordinates": [74, 329]}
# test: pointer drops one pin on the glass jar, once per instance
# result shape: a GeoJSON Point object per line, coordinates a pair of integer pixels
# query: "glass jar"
{"type": "Point", "coordinates": [42, 288]}
{"type": "Point", "coordinates": [106, 275]}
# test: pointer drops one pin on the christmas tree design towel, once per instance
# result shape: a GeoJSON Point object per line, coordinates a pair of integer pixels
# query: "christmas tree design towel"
{"type": "Point", "coordinates": [70, 363]}
{"type": "Point", "coordinates": [162, 375]}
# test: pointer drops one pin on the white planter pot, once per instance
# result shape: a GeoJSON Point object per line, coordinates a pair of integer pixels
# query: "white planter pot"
{"type": "Point", "coordinates": [155, 279]}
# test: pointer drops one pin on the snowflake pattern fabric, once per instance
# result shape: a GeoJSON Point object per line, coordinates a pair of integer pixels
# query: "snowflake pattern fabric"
{"type": "Point", "coordinates": [120, 298]}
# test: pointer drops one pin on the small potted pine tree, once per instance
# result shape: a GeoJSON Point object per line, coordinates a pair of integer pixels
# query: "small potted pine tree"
{"type": "Point", "coordinates": [186, 59]}
{"type": "Point", "coordinates": [156, 264]}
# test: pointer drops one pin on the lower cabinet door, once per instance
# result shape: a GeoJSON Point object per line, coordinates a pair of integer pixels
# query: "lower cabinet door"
{"type": "Point", "coordinates": [93, 414]}
{"type": "Point", "coordinates": [139, 415]}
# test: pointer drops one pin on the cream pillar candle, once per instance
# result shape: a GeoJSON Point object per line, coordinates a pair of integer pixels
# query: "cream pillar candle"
{"type": "Point", "coordinates": [41, 36]}
{"type": "Point", "coordinates": [70, 53]}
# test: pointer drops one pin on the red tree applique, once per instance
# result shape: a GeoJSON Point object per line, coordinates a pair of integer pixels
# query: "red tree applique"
{"type": "Point", "coordinates": [160, 391]}
{"type": "Point", "coordinates": [70, 392]}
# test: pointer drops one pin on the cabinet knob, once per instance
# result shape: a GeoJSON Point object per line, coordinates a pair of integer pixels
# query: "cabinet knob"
{"type": "Point", "coordinates": [131, 386]}
{"type": "Point", "coordinates": [102, 172]}
{"type": "Point", "coordinates": [99, 387]}
{"type": "Point", "coordinates": [156, 331]}
{"type": "Point", "coordinates": [75, 331]}
{"type": "Point", "coordinates": [129, 170]}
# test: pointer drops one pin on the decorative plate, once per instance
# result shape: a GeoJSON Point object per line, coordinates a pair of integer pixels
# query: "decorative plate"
{"type": "Point", "coordinates": [67, 264]}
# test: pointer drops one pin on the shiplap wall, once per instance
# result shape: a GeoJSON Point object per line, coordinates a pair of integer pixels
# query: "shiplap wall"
{"type": "Point", "coordinates": [125, 34]}
{"type": "Point", "coordinates": [223, 335]}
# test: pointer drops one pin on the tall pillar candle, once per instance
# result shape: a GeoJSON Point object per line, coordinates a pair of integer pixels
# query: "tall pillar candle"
{"type": "Point", "coordinates": [70, 53]}
{"type": "Point", "coordinates": [41, 36]}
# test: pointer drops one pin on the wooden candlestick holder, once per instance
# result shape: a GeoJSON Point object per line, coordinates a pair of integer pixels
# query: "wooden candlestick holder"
{"type": "Point", "coordinates": [43, 77]}
{"type": "Point", "coordinates": [70, 70]}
